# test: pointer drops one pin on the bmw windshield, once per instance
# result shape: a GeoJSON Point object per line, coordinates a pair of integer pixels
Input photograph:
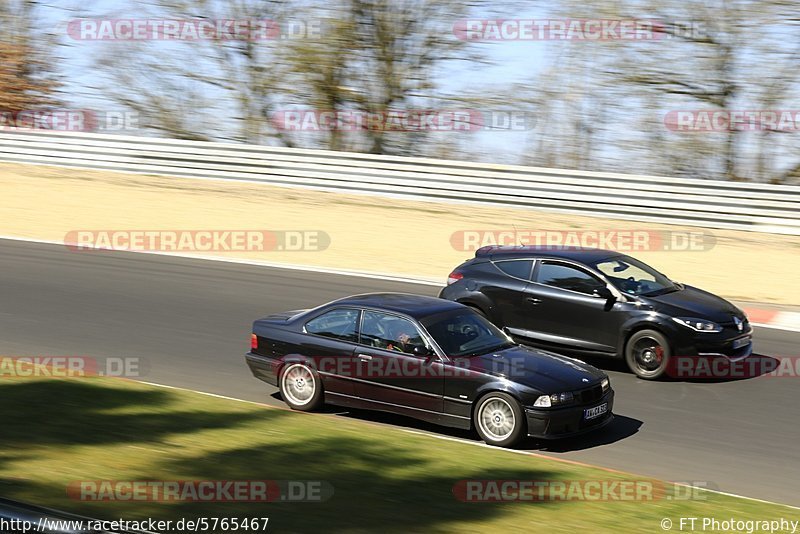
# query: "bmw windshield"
{"type": "Point", "coordinates": [465, 333]}
{"type": "Point", "coordinates": [633, 277]}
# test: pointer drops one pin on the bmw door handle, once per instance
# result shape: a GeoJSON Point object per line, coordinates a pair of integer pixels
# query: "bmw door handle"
{"type": "Point", "coordinates": [365, 357]}
{"type": "Point", "coordinates": [533, 300]}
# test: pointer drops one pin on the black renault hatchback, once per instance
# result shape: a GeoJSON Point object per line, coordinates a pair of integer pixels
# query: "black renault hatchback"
{"type": "Point", "coordinates": [598, 302]}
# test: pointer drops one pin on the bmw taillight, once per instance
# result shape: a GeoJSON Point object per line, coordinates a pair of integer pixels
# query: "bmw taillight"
{"type": "Point", "coordinates": [253, 342]}
{"type": "Point", "coordinates": [454, 277]}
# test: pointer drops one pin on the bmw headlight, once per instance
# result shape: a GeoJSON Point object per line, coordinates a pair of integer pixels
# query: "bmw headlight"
{"type": "Point", "coordinates": [698, 325]}
{"type": "Point", "coordinates": [606, 384]}
{"type": "Point", "coordinates": [556, 399]}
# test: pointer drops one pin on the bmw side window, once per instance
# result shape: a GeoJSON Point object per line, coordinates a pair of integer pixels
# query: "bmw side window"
{"type": "Point", "coordinates": [516, 268]}
{"type": "Point", "coordinates": [567, 277]}
{"type": "Point", "coordinates": [389, 332]}
{"type": "Point", "coordinates": [336, 324]}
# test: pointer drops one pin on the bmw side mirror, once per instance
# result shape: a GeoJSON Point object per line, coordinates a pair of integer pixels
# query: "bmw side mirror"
{"type": "Point", "coordinates": [422, 351]}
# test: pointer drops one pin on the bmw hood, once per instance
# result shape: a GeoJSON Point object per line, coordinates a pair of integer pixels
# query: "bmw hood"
{"type": "Point", "coordinates": [543, 371]}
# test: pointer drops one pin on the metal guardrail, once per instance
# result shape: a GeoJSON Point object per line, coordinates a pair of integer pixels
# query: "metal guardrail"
{"type": "Point", "coordinates": [708, 203]}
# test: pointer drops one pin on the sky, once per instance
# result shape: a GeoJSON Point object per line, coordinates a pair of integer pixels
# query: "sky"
{"type": "Point", "coordinates": [510, 63]}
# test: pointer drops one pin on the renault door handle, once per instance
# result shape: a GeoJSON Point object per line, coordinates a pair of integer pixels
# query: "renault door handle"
{"type": "Point", "coordinates": [533, 300]}
{"type": "Point", "coordinates": [365, 357]}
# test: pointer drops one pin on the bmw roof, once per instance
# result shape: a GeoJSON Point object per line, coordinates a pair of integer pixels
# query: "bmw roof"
{"type": "Point", "coordinates": [579, 254]}
{"type": "Point", "coordinates": [417, 306]}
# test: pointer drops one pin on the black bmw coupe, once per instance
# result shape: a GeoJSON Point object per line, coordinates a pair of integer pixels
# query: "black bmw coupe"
{"type": "Point", "coordinates": [428, 358]}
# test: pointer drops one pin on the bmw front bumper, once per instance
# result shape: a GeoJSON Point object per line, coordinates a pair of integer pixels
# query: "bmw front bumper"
{"type": "Point", "coordinates": [552, 423]}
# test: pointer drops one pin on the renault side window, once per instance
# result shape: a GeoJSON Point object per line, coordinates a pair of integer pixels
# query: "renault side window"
{"type": "Point", "coordinates": [516, 268]}
{"type": "Point", "coordinates": [567, 277]}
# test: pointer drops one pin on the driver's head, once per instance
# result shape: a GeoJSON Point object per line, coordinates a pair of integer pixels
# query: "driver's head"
{"type": "Point", "coordinates": [402, 328]}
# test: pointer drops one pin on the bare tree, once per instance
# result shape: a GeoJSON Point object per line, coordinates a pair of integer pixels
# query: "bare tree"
{"type": "Point", "coordinates": [27, 78]}
{"type": "Point", "coordinates": [204, 88]}
{"type": "Point", "coordinates": [377, 56]}
{"type": "Point", "coordinates": [719, 55]}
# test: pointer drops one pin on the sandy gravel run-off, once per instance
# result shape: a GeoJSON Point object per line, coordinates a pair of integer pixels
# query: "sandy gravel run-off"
{"type": "Point", "coordinates": [368, 233]}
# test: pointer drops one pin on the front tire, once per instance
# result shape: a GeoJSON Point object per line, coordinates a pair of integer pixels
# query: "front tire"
{"type": "Point", "coordinates": [301, 388]}
{"type": "Point", "coordinates": [500, 420]}
{"type": "Point", "coordinates": [647, 354]}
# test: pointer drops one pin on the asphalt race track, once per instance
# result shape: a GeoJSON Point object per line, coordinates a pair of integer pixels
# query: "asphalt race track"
{"type": "Point", "coordinates": [190, 321]}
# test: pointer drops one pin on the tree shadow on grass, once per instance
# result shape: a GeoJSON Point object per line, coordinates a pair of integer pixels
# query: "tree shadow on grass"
{"type": "Point", "coordinates": [81, 412]}
{"type": "Point", "coordinates": [76, 412]}
{"type": "Point", "coordinates": [377, 484]}
{"type": "Point", "coordinates": [40, 416]}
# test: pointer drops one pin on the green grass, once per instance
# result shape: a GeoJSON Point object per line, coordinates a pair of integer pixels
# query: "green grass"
{"type": "Point", "coordinates": [59, 431]}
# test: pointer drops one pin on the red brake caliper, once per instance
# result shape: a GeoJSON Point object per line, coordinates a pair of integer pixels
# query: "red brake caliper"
{"type": "Point", "coordinates": [659, 354]}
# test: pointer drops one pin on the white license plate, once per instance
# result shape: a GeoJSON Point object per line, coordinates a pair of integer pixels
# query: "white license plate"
{"type": "Point", "coordinates": [597, 411]}
{"type": "Point", "coordinates": [739, 343]}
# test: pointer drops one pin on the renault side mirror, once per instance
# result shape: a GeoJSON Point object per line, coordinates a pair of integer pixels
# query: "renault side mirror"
{"type": "Point", "coordinates": [603, 292]}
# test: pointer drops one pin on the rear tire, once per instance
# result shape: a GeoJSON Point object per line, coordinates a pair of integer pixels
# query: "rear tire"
{"type": "Point", "coordinates": [647, 354]}
{"type": "Point", "coordinates": [301, 387]}
{"type": "Point", "coordinates": [500, 420]}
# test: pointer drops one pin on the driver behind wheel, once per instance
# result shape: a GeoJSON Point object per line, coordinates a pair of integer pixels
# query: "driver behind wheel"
{"type": "Point", "coordinates": [404, 337]}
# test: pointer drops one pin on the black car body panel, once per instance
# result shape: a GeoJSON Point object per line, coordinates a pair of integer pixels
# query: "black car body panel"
{"type": "Point", "coordinates": [441, 388]}
{"type": "Point", "coordinates": [576, 321]}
